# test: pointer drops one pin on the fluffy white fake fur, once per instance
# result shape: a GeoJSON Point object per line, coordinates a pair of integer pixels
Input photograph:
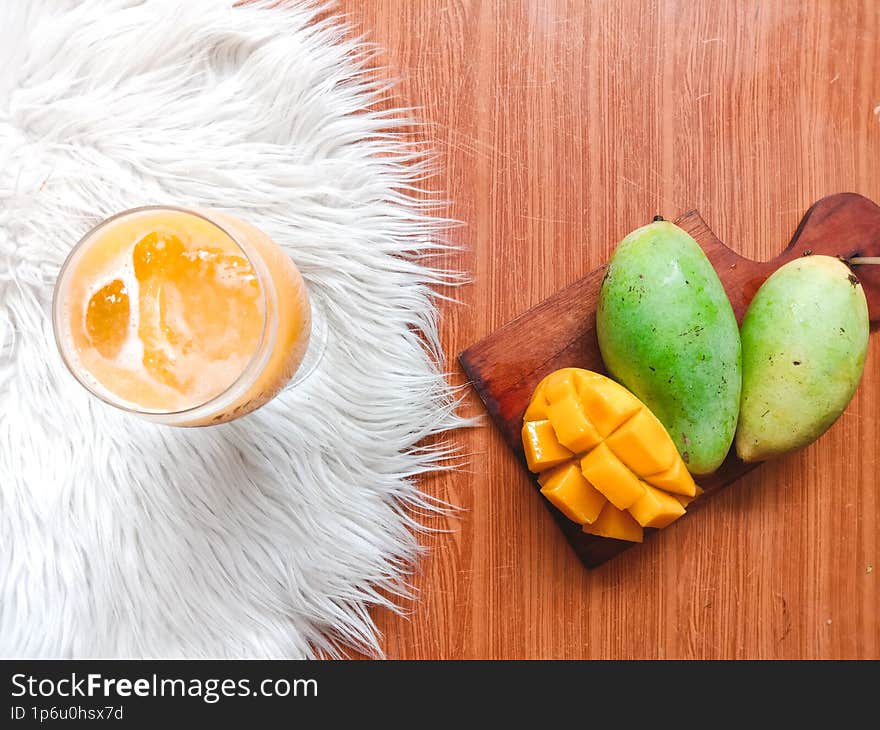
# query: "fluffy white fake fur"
{"type": "Point", "coordinates": [270, 536]}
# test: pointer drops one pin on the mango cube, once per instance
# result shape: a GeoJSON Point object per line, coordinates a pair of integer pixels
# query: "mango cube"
{"type": "Point", "coordinates": [643, 444]}
{"type": "Point", "coordinates": [609, 407]}
{"type": "Point", "coordinates": [676, 479]}
{"type": "Point", "coordinates": [685, 501]}
{"type": "Point", "coordinates": [537, 410]}
{"type": "Point", "coordinates": [655, 508]}
{"type": "Point", "coordinates": [615, 523]}
{"type": "Point", "coordinates": [605, 471]}
{"type": "Point", "coordinates": [542, 449]}
{"type": "Point", "coordinates": [573, 495]}
{"type": "Point", "coordinates": [558, 385]}
{"type": "Point", "coordinates": [599, 451]}
{"type": "Point", "coordinates": [572, 427]}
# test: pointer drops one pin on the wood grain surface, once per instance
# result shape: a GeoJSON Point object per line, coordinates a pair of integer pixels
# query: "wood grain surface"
{"type": "Point", "coordinates": [562, 125]}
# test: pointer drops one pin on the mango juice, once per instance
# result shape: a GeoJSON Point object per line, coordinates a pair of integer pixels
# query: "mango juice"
{"type": "Point", "coordinates": [185, 317]}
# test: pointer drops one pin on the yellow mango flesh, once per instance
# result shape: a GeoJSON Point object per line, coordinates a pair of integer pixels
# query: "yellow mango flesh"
{"type": "Point", "coordinates": [599, 451]}
{"type": "Point", "coordinates": [676, 479]}
{"type": "Point", "coordinates": [573, 495]}
{"type": "Point", "coordinates": [571, 425]}
{"type": "Point", "coordinates": [107, 316]}
{"type": "Point", "coordinates": [655, 508]}
{"type": "Point", "coordinates": [643, 445]}
{"type": "Point", "coordinates": [616, 523]}
{"type": "Point", "coordinates": [603, 469]}
{"type": "Point", "coordinates": [685, 501]}
{"type": "Point", "coordinates": [543, 450]}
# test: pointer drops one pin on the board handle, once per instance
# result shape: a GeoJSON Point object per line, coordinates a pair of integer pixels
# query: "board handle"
{"type": "Point", "coordinates": [851, 225]}
{"type": "Point", "coordinates": [844, 225]}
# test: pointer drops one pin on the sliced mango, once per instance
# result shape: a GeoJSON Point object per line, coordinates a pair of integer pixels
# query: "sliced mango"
{"type": "Point", "coordinates": [685, 501]}
{"type": "Point", "coordinates": [616, 523]}
{"type": "Point", "coordinates": [608, 407]}
{"type": "Point", "coordinates": [656, 508]}
{"type": "Point", "coordinates": [537, 410]}
{"type": "Point", "coordinates": [107, 318]}
{"type": "Point", "coordinates": [675, 479]}
{"type": "Point", "coordinates": [559, 384]}
{"type": "Point", "coordinates": [599, 452]}
{"type": "Point", "coordinates": [571, 425]}
{"type": "Point", "coordinates": [643, 444]}
{"type": "Point", "coordinates": [603, 469]}
{"type": "Point", "coordinates": [573, 495]}
{"type": "Point", "coordinates": [543, 450]}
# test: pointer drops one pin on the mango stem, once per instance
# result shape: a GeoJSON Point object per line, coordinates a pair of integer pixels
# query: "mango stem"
{"type": "Point", "coordinates": [860, 260]}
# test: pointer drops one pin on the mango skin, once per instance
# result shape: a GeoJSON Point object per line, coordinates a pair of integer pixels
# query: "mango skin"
{"type": "Point", "coordinates": [668, 333]}
{"type": "Point", "coordinates": [804, 337]}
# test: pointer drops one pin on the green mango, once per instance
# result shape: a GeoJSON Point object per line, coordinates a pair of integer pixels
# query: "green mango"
{"type": "Point", "coordinates": [668, 333]}
{"type": "Point", "coordinates": [804, 338]}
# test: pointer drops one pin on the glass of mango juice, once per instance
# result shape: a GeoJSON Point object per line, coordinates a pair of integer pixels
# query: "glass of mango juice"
{"type": "Point", "coordinates": [186, 317]}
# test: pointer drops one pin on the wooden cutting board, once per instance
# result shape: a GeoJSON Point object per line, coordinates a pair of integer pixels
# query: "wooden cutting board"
{"type": "Point", "coordinates": [505, 366]}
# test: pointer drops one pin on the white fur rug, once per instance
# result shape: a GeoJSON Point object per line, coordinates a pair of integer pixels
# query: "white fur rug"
{"type": "Point", "coordinates": [270, 536]}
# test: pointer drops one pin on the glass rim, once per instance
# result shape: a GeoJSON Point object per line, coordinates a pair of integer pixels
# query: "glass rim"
{"type": "Point", "coordinates": [249, 371]}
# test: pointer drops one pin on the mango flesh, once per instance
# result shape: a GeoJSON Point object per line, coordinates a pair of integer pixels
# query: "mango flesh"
{"type": "Point", "coordinates": [615, 523]}
{"type": "Point", "coordinates": [804, 337]}
{"type": "Point", "coordinates": [667, 332]}
{"type": "Point", "coordinates": [600, 452]}
{"type": "Point", "coordinates": [572, 494]}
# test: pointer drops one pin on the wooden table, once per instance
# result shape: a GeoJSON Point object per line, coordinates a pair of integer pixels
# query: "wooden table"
{"type": "Point", "coordinates": [561, 126]}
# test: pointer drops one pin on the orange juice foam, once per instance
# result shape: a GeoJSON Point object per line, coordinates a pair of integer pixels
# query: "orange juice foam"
{"type": "Point", "coordinates": [165, 311]}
